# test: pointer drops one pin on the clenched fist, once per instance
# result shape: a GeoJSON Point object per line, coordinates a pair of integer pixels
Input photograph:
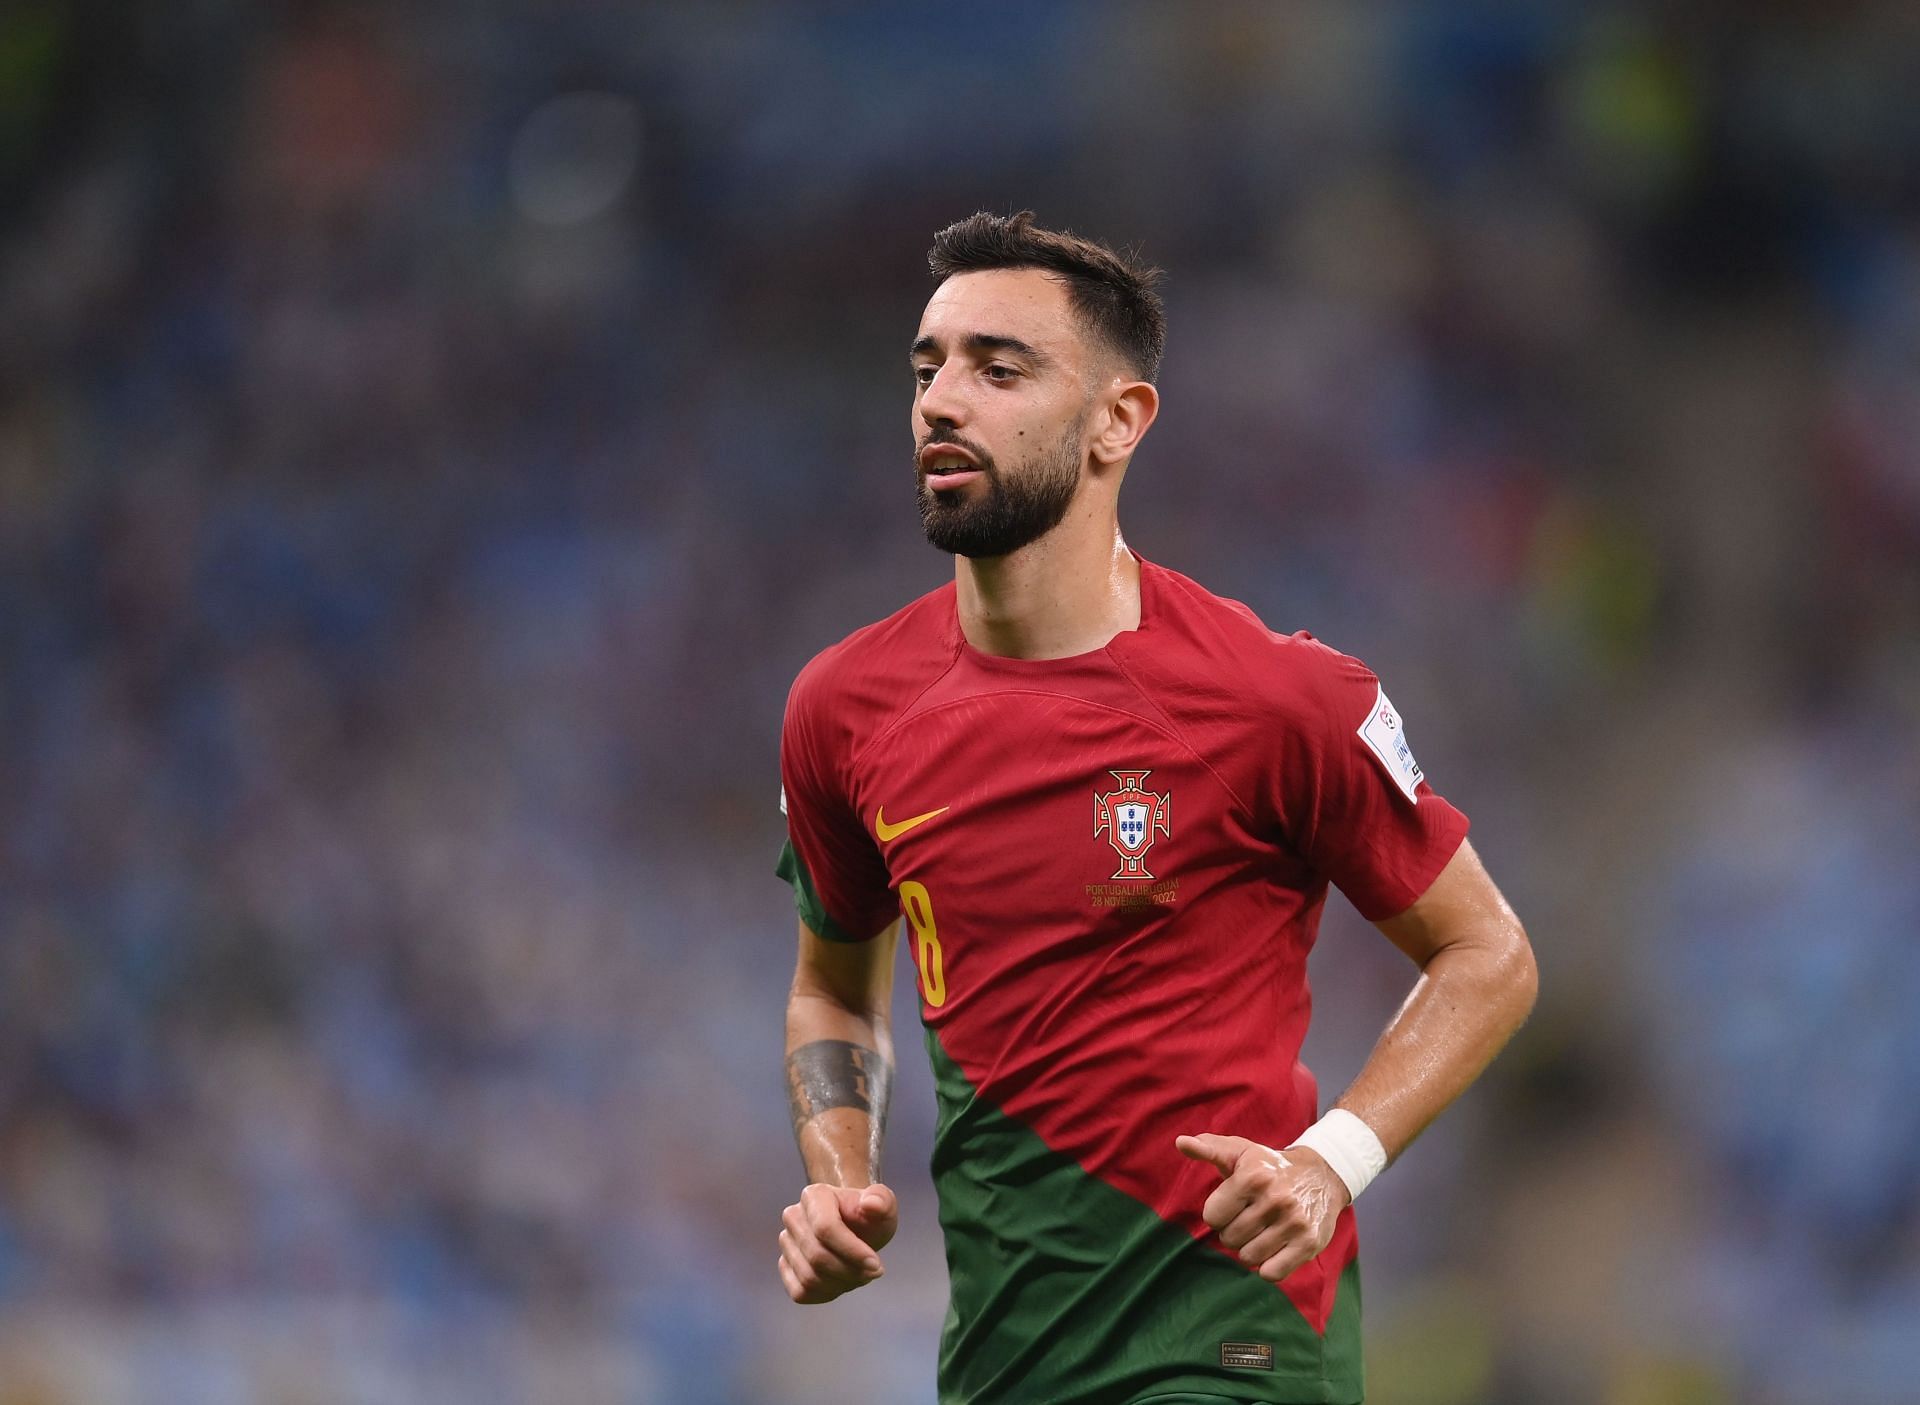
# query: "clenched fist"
{"type": "Point", "coordinates": [1276, 1209]}
{"type": "Point", "coordinates": [829, 1239]}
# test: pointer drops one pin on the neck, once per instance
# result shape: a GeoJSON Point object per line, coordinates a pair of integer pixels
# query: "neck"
{"type": "Point", "coordinates": [1068, 593]}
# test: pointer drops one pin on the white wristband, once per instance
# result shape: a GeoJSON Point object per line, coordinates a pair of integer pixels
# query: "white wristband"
{"type": "Point", "coordinates": [1349, 1146]}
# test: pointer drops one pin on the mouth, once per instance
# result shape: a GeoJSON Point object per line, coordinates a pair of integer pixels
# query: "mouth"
{"type": "Point", "coordinates": [947, 466]}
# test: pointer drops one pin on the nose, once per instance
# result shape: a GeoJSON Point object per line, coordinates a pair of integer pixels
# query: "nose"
{"type": "Point", "coordinates": [940, 401]}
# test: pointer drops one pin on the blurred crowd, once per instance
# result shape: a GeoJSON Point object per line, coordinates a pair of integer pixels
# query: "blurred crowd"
{"type": "Point", "coordinates": [432, 438]}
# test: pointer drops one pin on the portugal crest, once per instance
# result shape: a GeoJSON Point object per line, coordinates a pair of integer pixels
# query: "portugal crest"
{"type": "Point", "coordinates": [1131, 816]}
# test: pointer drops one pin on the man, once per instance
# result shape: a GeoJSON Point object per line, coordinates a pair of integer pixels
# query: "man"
{"type": "Point", "coordinates": [1108, 805]}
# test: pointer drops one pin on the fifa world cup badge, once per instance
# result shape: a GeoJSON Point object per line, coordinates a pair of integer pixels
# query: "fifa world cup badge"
{"type": "Point", "coordinates": [1130, 816]}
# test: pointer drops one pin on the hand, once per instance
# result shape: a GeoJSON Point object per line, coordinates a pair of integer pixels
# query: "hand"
{"type": "Point", "coordinates": [828, 1239]}
{"type": "Point", "coordinates": [1276, 1209]}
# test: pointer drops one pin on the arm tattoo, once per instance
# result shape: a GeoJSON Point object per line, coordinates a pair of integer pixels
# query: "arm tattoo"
{"type": "Point", "coordinates": [832, 1073]}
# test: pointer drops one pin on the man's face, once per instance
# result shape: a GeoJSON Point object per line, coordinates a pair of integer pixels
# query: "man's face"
{"type": "Point", "coordinates": [1001, 370]}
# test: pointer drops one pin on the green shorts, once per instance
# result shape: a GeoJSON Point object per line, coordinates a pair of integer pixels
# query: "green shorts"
{"type": "Point", "coordinates": [1193, 1400]}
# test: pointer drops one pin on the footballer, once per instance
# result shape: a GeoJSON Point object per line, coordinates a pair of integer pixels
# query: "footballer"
{"type": "Point", "coordinates": [1103, 806]}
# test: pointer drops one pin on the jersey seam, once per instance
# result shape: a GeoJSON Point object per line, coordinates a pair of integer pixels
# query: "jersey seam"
{"type": "Point", "coordinates": [1180, 733]}
{"type": "Point", "coordinates": [1164, 725]}
{"type": "Point", "coordinates": [898, 719]}
{"type": "Point", "coordinates": [1340, 754]}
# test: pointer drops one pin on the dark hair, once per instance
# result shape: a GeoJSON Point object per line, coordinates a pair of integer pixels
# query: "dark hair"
{"type": "Point", "coordinates": [1112, 293]}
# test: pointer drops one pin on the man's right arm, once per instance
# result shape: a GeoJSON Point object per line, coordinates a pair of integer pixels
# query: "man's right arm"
{"type": "Point", "coordinates": [839, 1077]}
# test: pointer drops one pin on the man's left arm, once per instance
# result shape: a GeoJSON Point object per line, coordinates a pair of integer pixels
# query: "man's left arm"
{"type": "Point", "coordinates": [1276, 1207]}
{"type": "Point", "coordinates": [1477, 984]}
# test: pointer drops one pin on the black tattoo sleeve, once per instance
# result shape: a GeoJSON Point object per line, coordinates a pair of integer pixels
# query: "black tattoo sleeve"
{"type": "Point", "coordinates": [832, 1073]}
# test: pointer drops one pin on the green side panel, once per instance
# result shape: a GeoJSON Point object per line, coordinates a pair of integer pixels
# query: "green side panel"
{"type": "Point", "coordinates": [805, 901]}
{"type": "Point", "coordinates": [1069, 1291]}
{"type": "Point", "coordinates": [1340, 1356]}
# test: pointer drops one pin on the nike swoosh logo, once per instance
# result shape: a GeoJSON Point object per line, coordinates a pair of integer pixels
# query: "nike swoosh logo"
{"type": "Point", "coordinates": [889, 832]}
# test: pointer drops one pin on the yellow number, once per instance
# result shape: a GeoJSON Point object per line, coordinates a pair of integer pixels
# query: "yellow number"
{"type": "Point", "coordinates": [933, 970]}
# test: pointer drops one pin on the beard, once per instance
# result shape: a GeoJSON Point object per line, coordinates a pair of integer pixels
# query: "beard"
{"type": "Point", "coordinates": [1014, 509]}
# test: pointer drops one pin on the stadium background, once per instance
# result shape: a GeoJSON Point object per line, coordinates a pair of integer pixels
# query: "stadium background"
{"type": "Point", "coordinates": [433, 436]}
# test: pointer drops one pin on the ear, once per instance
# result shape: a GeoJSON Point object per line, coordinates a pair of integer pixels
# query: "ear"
{"type": "Point", "coordinates": [1130, 413]}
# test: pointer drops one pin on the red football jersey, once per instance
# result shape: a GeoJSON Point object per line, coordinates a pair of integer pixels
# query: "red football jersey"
{"type": "Point", "coordinates": [1112, 868]}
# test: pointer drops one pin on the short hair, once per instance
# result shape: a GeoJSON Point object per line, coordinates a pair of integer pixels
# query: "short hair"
{"type": "Point", "coordinates": [1112, 292]}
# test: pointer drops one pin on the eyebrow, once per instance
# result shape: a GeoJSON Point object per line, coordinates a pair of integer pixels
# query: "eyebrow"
{"type": "Point", "coordinates": [978, 342]}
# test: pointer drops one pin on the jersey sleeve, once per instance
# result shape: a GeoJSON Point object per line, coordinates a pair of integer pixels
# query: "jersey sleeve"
{"type": "Point", "coordinates": [1353, 800]}
{"type": "Point", "coordinates": [840, 886]}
